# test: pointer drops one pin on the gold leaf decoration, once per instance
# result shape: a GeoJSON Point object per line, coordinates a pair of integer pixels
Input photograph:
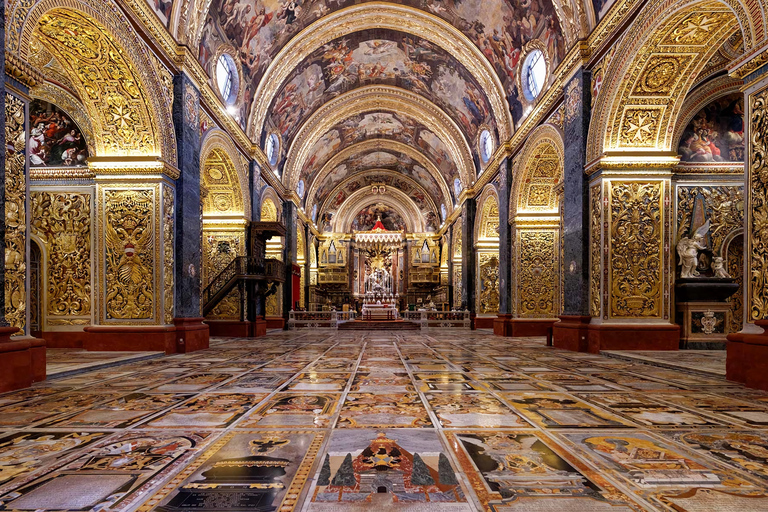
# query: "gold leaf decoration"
{"type": "Point", "coordinates": [15, 215]}
{"type": "Point", "coordinates": [537, 280]}
{"type": "Point", "coordinates": [758, 229]}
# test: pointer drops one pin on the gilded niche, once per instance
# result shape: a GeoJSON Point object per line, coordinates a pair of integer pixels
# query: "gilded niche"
{"type": "Point", "coordinates": [15, 215]}
{"type": "Point", "coordinates": [169, 219]}
{"type": "Point", "coordinates": [722, 206]}
{"type": "Point", "coordinates": [595, 246]}
{"type": "Point", "coordinates": [489, 284]}
{"type": "Point", "coordinates": [129, 231]}
{"type": "Point", "coordinates": [538, 274]}
{"type": "Point", "coordinates": [758, 179]}
{"type": "Point", "coordinates": [62, 220]}
{"type": "Point", "coordinates": [636, 249]}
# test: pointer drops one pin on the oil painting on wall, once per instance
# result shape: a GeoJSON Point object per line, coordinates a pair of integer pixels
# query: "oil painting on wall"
{"type": "Point", "coordinates": [367, 217]}
{"type": "Point", "coordinates": [716, 133]}
{"type": "Point", "coordinates": [162, 8]}
{"type": "Point", "coordinates": [54, 138]}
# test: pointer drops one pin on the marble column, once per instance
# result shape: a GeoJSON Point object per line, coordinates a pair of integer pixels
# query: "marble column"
{"type": "Point", "coordinates": [289, 257]}
{"type": "Point", "coordinates": [747, 356]}
{"type": "Point", "coordinates": [469, 260]}
{"type": "Point", "coordinates": [501, 325]}
{"type": "Point", "coordinates": [255, 302]}
{"type": "Point", "coordinates": [307, 264]}
{"type": "Point", "coordinates": [571, 332]}
{"type": "Point", "coordinates": [191, 332]}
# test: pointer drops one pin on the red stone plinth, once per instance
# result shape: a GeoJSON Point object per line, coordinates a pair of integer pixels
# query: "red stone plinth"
{"type": "Point", "coordinates": [571, 333]}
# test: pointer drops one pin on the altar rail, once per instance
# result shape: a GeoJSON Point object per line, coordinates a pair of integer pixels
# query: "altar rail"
{"type": "Point", "coordinates": [309, 319]}
{"type": "Point", "coordinates": [429, 319]}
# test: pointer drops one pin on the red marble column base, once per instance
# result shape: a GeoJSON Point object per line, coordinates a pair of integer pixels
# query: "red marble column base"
{"type": "Point", "coordinates": [259, 327]}
{"type": "Point", "coordinates": [64, 339]}
{"type": "Point", "coordinates": [735, 369]}
{"type": "Point", "coordinates": [531, 326]}
{"type": "Point", "coordinates": [484, 322]}
{"type": "Point", "coordinates": [191, 334]}
{"type": "Point", "coordinates": [747, 358]}
{"type": "Point", "coordinates": [155, 338]}
{"type": "Point", "coordinates": [37, 352]}
{"type": "Point", "coordinates": [633, 337]}
{"type": "Point", "coordinates": [15, 361]}
{"type": "Point", "coordinates": [275, 322]}
{"type": "Point", "coordinates": [571, 333]}
{"type": "Point", "coordinates": [502, 325]}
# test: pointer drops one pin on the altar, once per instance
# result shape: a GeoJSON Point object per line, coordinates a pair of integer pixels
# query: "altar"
{"type": "Point", "coordinates": [380, 312]}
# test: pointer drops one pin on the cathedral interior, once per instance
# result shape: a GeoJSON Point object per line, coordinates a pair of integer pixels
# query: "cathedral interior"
{"type": "Point", "coordinates": [329, 255]}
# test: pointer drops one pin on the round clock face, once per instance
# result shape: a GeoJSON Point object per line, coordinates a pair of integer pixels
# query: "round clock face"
{"type": "Point", "coordinates": [273, 145]}
{"type": "Point", "coordinates": [486, 146]}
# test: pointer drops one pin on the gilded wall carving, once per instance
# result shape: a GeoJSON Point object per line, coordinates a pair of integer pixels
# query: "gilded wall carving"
{"type": "Point", "coordinates": [15, 215]}
{"type": "Point", "coordinates": [107, 79]}
{"type": "Point", "coordinates": [221, 247]}
{"type": "Point", "coordinates": [62, 220]}
{"type": "Point", "coordinates": [169, 219]}
{"type": "Point", "coordinates": [722, 206]}
{"type": "Point", "coordinates": [456, 286]}
{"type": "Point", "coordinates": [595, 249]}
{"type": "Point", "coordinates": [222, 185]}
{"type": "Point", "coordinates": [542, 172]}
{"type": "Point", "coordinates": [538, 274]}
{"type": "Point", "coordinates": [488, 298]}
{"type": "Point", "coordinates": [130, 261]}
{"type": "Point", "coordinates": [735, 267]}
{"type": "Point", "coordinates": [758, 201]}
{"type": "Point", "coordinates": [636, 251]}
{"type": "Point", "coordinates": [458, 228]}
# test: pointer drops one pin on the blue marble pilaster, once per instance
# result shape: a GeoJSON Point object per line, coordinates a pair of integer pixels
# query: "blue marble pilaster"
{"type": "Point", "coordinates": [189, 232]}
{"type": "Point", "coordinates": [255, 301]}
{"type": "Point", "coordinates": [468, 257]}
{"type": "Point", "coordinates": [576, 196]}
{"type": "Point", "coordinates": [289, 256]}
{"type": "Point", "coordinates": [505, 239]}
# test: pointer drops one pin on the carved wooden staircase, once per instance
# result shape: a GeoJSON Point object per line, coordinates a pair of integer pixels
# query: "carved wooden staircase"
{"type": "Point", "coordinates": [239, 271]}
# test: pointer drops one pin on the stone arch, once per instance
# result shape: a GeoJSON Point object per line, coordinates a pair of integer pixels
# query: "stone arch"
{"type": "Point", "coordinates": [218, 151]}
{"type": "Point", "coordinates": [487, 225]}
{"type": "Point", "coordinates": [395, 199]}
{"type": "Point", "coordinates": [125, 92]}
{"type": "Point", "coordinates": [658, 59]}
{"type": "Point", "coordinates": [382, 16]}
{"type": "Point", "coordinates": [270, 212]}
{"type": "Point", "coordinates": [538, 173]}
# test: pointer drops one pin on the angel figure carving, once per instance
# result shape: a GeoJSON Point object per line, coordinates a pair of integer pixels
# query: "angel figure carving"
{"type": "Point", "coordinates": [688, 250]}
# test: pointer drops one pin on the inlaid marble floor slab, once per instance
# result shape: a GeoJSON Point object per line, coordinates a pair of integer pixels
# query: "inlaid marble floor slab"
{"type": "Point", "coordinates": [452, 420]}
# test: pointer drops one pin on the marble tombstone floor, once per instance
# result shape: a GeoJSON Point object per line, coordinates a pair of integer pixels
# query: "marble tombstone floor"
{"type": "Point", "coordinates": [61, 362]}
{"type": "Point", "coordinates": [322, 421]}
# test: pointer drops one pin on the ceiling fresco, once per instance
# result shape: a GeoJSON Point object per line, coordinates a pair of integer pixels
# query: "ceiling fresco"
{"type": "Point", "coordinates": [389, 58]}
{"type": "Point", "coordinates": [379, 125]}
{"type": "Point", "coordinates": [258, 29]}
{"type": "Point", "coordinates": [372, 160]}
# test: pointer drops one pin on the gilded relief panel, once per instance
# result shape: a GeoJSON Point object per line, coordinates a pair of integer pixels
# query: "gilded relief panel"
{"type": "Point", "coordinates": [221, 247]}
{"type": "Point", "coordinates": [488, 292]}
{"type": "Point", "coordinates": [722, 206]}
{"type": "Point", "coordinates": [735, 268]}
{"type": "Point", "coordinates": [62, 220]}
{"type": "Point", "coordinates": [595, 243]}
{"type": "Point", "coordinates": [131, 253]}
{"type": "Point", "coordinates": [538, 276]}
{"type": "Point", "coordinates": [15, 214]}
{"type": "Point", "coordinates": [758, 201]}
{"type": "Point", "coordinates": [636, 249]}
{"type": "Point", "coordinates": [169, 219]}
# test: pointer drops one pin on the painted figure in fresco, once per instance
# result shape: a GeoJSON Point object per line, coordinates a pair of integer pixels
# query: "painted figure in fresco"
{"type": "Point", "coordinates": [688, 251]}
{"type": "Point", "coordinates": [716, 133]}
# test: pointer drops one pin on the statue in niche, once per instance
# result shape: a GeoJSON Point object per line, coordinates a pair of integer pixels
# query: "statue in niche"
{"type": "Point", "coordinates": [718, 267]}
{"type": "Point", "coordinates": [688, 251]}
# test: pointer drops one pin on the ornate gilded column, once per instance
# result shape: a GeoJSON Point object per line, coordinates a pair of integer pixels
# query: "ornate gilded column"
{"type": "Point", "coordinates": [191, 332]}
{"type": "Point", "coordinates": [289, 257]}
{"type": "Point", "coordinates": [747, 358]}
{"type": "Point", "coordinates": [571, 332]}
{"type": "Point", "coordinates": [502, 324]}
{"type": "Point", "coordinates": [469, 259]}
{"type": "Point", "coordinates": [631, 229]}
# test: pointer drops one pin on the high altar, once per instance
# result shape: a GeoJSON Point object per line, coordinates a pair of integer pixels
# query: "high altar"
{"type": "Point", "coordinates": [380, 296]}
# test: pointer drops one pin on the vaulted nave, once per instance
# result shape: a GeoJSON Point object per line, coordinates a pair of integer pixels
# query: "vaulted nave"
{"type": "Point", "coordinates": [296, 255]}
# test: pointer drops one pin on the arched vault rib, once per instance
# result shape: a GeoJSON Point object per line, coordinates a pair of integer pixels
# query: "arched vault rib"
{"type": "Point", "coordinates": [382, 145]}
{"type": "Point", "coordinates": [380, 172]}
{"type": "Point", "coordinates": [396, 199]}
{"type": "Point", "coordinates": [379, 97]}
{"type": "Point", "coordinates": [379, 16]}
